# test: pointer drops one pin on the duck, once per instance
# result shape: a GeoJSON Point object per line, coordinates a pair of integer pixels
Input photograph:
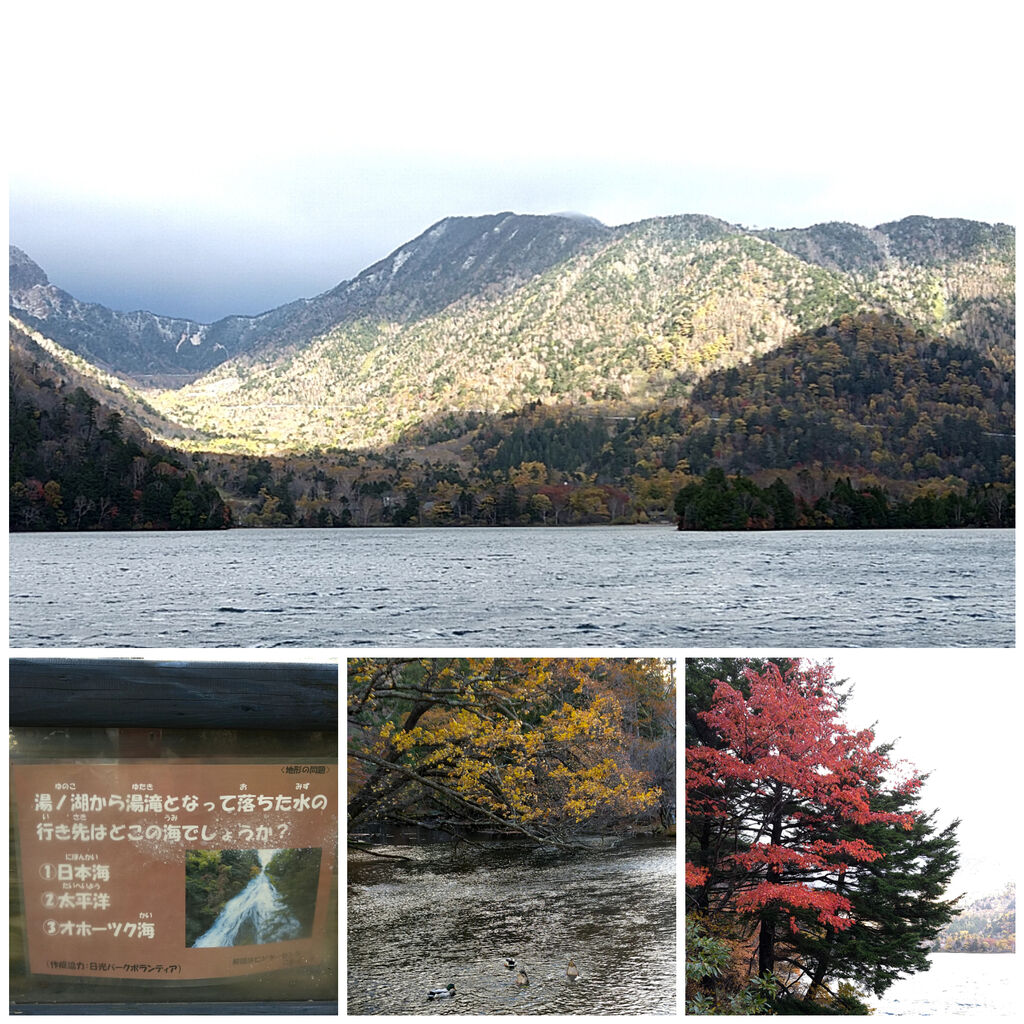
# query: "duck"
{"type": "Point", "coordinates": [521, 978]}
{"type": "Point", "coordinates": [571, 972]}
{"type": "Point", "coordinates": [509, 962]}
{"type": "Point", "coordinates": [441, 993]}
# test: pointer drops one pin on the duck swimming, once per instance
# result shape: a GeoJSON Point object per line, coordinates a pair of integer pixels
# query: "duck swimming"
{"type": "Point", "coordinates": [521, 978]}
{"type": "Point", "coordinates": [441, 993]}
{"type": "Point", "coordinates": [509, 962]}
{"type": "Point", "coordinates": [571, 972]}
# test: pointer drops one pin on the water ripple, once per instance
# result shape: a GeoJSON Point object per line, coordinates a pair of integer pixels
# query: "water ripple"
{"type": "Point", "coordinates": [629, 586]}
{"type": "Point", "coordinates": [435, 923]}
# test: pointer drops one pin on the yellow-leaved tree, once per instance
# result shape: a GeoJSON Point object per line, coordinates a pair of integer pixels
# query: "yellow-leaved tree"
{"type": "Point", "coordinates": [547, 748]}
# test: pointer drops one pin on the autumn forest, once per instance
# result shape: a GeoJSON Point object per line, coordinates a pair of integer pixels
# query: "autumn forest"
{"type": "Point", "coordinates": [863, 424]}
{"type": "Point", "coordinates": [543, 751]}
{"type": "Point", "coordinates": [809, 858]}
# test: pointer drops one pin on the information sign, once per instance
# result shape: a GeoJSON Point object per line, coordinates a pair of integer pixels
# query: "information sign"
{"type": "Point", "coordinates": [175, 869]}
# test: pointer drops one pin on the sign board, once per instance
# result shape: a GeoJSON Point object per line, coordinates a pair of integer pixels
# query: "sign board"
{"type": "Point", "coordinates": [175, 869]}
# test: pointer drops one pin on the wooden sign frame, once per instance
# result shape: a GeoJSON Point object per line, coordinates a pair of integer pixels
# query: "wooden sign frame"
{"type": "Point", "coordinates": [140, 709]}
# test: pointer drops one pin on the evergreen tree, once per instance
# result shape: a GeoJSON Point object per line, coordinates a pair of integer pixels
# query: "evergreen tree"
{"type": "Point", "coordinates": [896, 900]}
{"type": "Point", "coordinates": [797, 831]}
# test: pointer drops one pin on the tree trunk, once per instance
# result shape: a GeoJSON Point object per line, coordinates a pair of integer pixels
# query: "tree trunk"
{"type": "Point", "coordinates": [766, 938]}
{"type": "Point", "coordinates": [766, 944]}
{"type": "Point", "coordinates": [699, 895]}
{"type": "Point", "coordinates": [822, 969]}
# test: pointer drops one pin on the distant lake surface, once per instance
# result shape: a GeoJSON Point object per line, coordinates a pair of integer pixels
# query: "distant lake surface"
{"type": "Point", "coordinates": [958, 983]}
{"type": "Point", "coordinates": [538, 587]}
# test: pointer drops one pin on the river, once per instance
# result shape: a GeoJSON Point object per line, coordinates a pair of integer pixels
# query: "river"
{"type": "Point", "coordinates": [448, 918]}
{"type": "Point", "coordinates": [543, 587]}
{"type": "Point", "coordinates": [958, 983]}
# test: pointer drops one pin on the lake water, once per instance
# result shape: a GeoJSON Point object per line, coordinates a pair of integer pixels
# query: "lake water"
{"type": "Point", "coordinates": [446, 919]}
{"type": "Point", "coordinates": [958, 983]}
{"type": "Point", "coordinates": [544, 587]}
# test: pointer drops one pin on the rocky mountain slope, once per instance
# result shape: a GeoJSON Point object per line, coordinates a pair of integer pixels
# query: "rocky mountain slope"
{"type": "Point", "coordinates": [490, 314]}
{"type": "Point", "coordinates": [457, 256]}
{"type": "Point", "coordinates": [139, 342]}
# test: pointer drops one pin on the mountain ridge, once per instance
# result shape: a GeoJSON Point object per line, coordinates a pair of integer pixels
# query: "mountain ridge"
{"type": "Point", "coordinates": [141, 343]}
{"type": "Point", "coordinates": [492, 313]}
{"type": "Point", "coordinates": [423, 276]}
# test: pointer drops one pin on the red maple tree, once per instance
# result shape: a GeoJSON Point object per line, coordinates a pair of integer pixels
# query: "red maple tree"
{"type": "Point", "coordinates": [787, 775]}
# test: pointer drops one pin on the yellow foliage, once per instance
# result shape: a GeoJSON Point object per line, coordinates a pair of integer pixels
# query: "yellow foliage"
{"type": "Point", "coordinates": [526, 740]}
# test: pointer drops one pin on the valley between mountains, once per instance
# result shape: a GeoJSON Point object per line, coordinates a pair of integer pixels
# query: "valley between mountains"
{"type": "Point", "coordinates": [516, 369]}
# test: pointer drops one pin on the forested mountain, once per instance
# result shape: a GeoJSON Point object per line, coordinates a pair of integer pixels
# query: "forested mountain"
{"type": "Point", "coordinates": [512, 369]}
{"type": "Point", "coordinates": [77, 463]}
{"type": "Point", "coordinates": [633, 317]}
{"type": "Point", "coordinates": [867, 392]}
{"type": "Point", "coordinates": [988, 925]}
{"type": "Point", "coordinates": [490, 313]}
{"type": "Point", "coordinates": [862, 423]}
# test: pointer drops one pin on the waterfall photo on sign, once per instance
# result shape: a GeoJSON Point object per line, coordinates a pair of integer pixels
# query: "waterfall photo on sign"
{"type": "Point", "coordinates": [249, 897]}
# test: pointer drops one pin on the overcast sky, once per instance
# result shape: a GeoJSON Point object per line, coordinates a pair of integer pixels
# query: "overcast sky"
{"type": "Point", "coordinates": [201, 159]}
{"type": "Point", "coordinates": [956, 715]}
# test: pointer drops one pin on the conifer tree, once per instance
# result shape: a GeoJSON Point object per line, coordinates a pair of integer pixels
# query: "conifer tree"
{"type": "Point", "coordinates": [801, 830]}
{"type": "Point", "coordinates": [897, 901]}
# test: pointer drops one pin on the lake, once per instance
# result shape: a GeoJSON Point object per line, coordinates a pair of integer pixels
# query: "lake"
{"type": "Point", "coordinates": [643, 586]}
{"type": "Point", "coordinates": [448, 918]}
{"type": "Point", "coordinates": [958, 983]}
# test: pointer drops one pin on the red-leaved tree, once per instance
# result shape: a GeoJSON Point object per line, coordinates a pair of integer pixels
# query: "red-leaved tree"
{"type": "Point", "coordinates": [770, 797]}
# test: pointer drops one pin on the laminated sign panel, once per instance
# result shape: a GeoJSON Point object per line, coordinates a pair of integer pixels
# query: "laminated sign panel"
{"type": "Point", "coordinates": [175, 869]}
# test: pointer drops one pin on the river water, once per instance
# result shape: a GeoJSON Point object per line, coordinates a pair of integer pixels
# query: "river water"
{"type": "Point", "coordinates": [452, 919]}
{"type": "Point", "coordinates": [543, 587]}
{"type": "Point", "coordinates": [957, 983]}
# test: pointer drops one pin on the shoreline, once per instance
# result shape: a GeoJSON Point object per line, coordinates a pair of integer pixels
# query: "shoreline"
{"type": "Point", "coordinates": [663, 524]}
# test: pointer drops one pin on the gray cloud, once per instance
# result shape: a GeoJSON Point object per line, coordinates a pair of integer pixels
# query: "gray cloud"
{"type": "Point", "coordinates": [288, 231]}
